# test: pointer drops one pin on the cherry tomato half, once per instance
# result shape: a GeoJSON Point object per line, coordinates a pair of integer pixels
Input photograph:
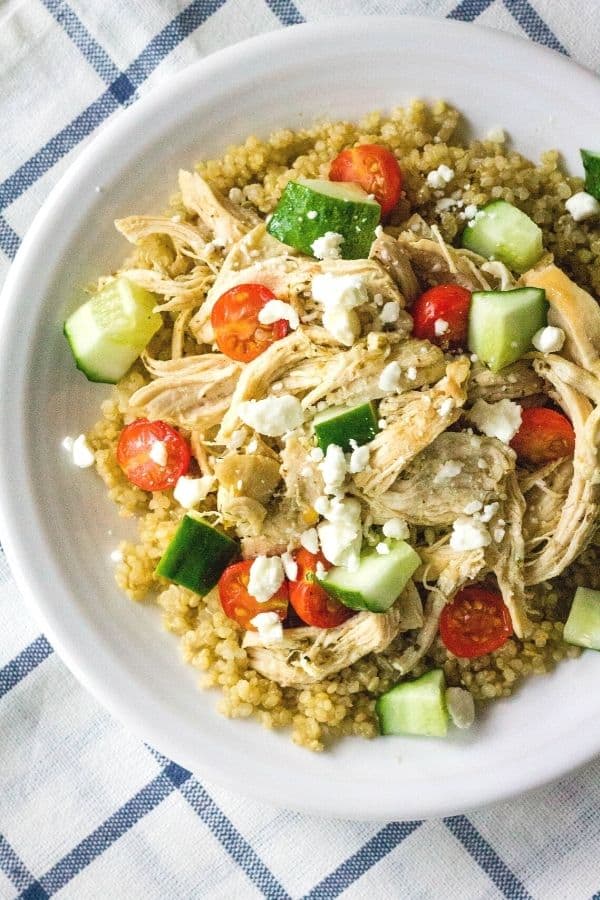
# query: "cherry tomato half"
{"type": "Point", "coordinates": [476, 622]}
{"type": "Point", "coordinates": [312, 602]}
{"type": "Point", "coordinates": [376, 170]}
{"type": "Point", "coordinates": [448, 305]}
{"type": "Point", "coordinates": [241, 606]}
{"type": "Point", "coordinates": [234, 319]}
{"type": "Point", "coordinates": [134, 454]}
{"type": "Point", "coordinates": [544, 435]}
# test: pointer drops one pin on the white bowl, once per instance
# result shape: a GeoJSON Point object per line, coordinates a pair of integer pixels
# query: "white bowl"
{"type": "Point", "coordinates": [58, 526]}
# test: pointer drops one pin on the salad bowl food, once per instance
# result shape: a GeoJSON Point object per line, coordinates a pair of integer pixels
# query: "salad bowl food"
{"type": "Point", "coordinates": [267, 480]}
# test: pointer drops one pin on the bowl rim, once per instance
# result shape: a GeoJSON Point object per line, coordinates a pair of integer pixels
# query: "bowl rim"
{"type": "Point", "coordinates": [133, 709]}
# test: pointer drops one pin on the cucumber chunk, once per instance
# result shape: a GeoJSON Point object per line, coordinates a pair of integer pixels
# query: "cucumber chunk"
{"type": "Point", "coordinates": [342, 424]}
{"type": "Point", "coordinates": [591, 164]}
{"type": "Point", "coordinates": [583, 625]}
{"type": "Point", "coordinates": [503, 232]}
{"type": "Point", "coordinates": [379, 580]}
{"type": "Point", "coordinates": [415, 707]}
{"type": "Point", "coordinates": [197, 555]}
{"type": "Point", "coordinates": [502, 324]}
{"type": "Point", "coordinates": [308, 208]}
{"type": "Point", "coordinates": [108, 333]}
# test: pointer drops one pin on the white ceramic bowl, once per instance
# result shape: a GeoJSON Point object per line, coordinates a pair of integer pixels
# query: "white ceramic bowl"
{"type": "Point", "coordinates": [58, 526]}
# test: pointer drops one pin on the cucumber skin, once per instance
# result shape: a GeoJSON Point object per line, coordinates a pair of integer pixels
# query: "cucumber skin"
{"type": "Point", "coordinates": [89, 373]}
{"type": "Point", "coordinates": [197, 556]}
{"type": "Point", "coordinates": [331, 431]}
{"type": "Point", "coordinates": [591, 164]}
{"type": "Point", "coordinates": [582, 627]}
{"type": "Point", "coordinates": [396, 719]}
{"type": "Point", "coordinates": [473, 240]}
{"type": "Point", "coordinates": [297, 200]}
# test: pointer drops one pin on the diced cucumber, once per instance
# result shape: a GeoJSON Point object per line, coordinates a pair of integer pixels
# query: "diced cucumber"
{"type": "Point", "coordinates": [309, 208]}
{"type": "Point", "coordinates": [502, 324]}
{"type": "Point", "coordinates": [503, 232]}
{"type": "Point", "coordinates": [583, 625]}
{"type": "Point", "coordinates": [415, 707]}
{"type": "Point", "coordinates": [108, 333]}
{"type": "Point", "coordinates": [591, 164]}
{"type": "Point", "coordinates": [342, 424]}
{"type": "Point", "coordinates": [197, 555]}
{"type": "Point", "coordinates": [379, 580]}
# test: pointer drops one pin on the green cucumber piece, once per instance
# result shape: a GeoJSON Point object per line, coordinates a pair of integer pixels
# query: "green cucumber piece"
{"type": "Point", "coordinates": [379, 580]}
{"type": "Point", "coordinates": [342, 424]}
{"type": "Point", "coordinates": [501, 231]}
{"type": "Point", "coordinates": [583, 625]}
{"type": "Point", "coordinates": [107, 334]}
{"type": "Point", "coordinates": [591, 164]}
{"type": "Point", "coordinates": [415, 707]}
{"type": "Point", "coordinates": [502, 324]}
{"type": "Point", "coordinates": [197, 555]}
{"type": "Point", "coordinates": [341, 207]}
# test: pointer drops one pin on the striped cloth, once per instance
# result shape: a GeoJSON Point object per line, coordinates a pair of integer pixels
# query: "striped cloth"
{"type": "Point", "coordinates": [86, 810]}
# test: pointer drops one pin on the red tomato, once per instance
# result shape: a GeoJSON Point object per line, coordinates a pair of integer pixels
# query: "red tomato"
{"type": "Point", "coordinates": [476, 622]}
{"type": "Point", "coordinates": [376, 170]}
{"type": "Point", "coordinates": [544, 435]}
{"type": "Point", "coordinates": [241, 606]}
{"type": "Point", "coordinates": [447, 303]}
{"type": "Point", "coordinates": [234, 318]}
{"type": "Point", "coordinates": [133, 454]}
{"type": "Point", "coordinates": [312, 602]}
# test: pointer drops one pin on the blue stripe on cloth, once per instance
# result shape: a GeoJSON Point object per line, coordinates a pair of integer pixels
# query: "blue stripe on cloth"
{"type": "Point", "coordinates": [12, 866]}
{"type": "Point", "coordinates": [9, 239]}
{"type": "Point", "coordinates": [26, 661]}
{"type": "Point", "coordinates": [533, 25]}
{"type": "Point", "coordinates": [89, 47]}
{"type": "Point", "coordinates": [232, 841]}
{"type": "Point", "coordinates": [468, 10]}
{"type": "Point", "coordinates": [286, 11]}
{"type": "Point", "coordinates": [487, 858]}
{"type": "Point", "coordinates": [110, 831]}
{"type": "Point", "coordinates": [360, 862]}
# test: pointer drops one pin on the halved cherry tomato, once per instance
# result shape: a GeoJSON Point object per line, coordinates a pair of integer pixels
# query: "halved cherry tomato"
{"type": "Point", "coordinates": [133, 454]}
{"type": "Point", "coordinates": [447, 304]}
{"type": "Point", "coordinates": [234, 319]}
{"type": "Point", "coordinates": [312, 603]}
{"type": "Point", "coordinates": [241, 606]}
{"type": "Point", "coordinates": [476, 622]}
{"type": "Point", "coordinates": [544, 435]}
{"type": "Point", "coordinates": [375, 168]}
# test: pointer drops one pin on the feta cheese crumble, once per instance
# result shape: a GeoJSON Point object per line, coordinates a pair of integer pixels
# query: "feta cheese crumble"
{"type": "Point", "coordinates": [333, 468]}
{"type": "Point", "coordinates": [582, 206]}
{"type": "Point", "coordinates": [316, 454]}
{"type": "Point", "coordinates": [269, 627]}
{"type": "Point", "coordinates": [489, 511]}
{"type": "Point", "coordinates": [496, 134]}
{"type": "Point", "coordinates": [82, 453]}
{"type": "Point", "coordinates": [390, 312]}
{"type": "Point", "coordinates": [266, 577]}
{"type": "Point", "coordinates": [501, 420]}
{"type": "Point", "coordinates": [469, 534]}
{"type": "Point", "coordinates": [472, 507]}
{"type": "Point", "coordinates": [347, 291]}
{"type": "Point", "coordinates": [440, 326]}
{"type": "Point", "coordinates": [275, 310]}
{"type": "Point", "coordinates": [446, 406]}
{"type": "Point", "coordinates": [272, 416]}
{"type": "Point", "coordinates": [396, 528]}
{"type": "Point", "coordinates": [341, 534]}
{"type": "Point", "coordinates": [448, 470]}
{"type": "Point", "coordinates": [311, 214]}
{"type": "Point", "coordinates": [342, 324]}
{"type": "Point", "coordinates": [158, 453]}
{"type": "Point", "coordinates": [116, 556]}
{"type": "Point", "coordinates": [440, 177]}
{"type": "Point", "coordinates": [290, 566]}
{"type": "Point", "coordinates": [548, 339]}
{"type": "Point", "coordinates": [189, 492]}
{"type": "Point", "coordinates": [411, 373]}
{"type": "Point", "coordinates": [390, 378]}
{"type": "Point", "coordinates": [328, 245]}
{"type": "Point", "coordinates": [309, 539]}
{"type": "Point", "coordinates": [382, 548]}
{"type": "Point", "coordinates": [359, 460]}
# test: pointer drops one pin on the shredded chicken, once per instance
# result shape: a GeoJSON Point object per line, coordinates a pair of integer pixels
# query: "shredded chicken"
{"type": "Point", "coordinates": [227, 221]}
{"type": "Point", "coordinates": [508, 564]}
{"type": "Point", "coordinates": [434, 262]}
{"type": "Point", "coordinates": [396, 261]}
{"type": "Point", "coordinates": [511, 383]}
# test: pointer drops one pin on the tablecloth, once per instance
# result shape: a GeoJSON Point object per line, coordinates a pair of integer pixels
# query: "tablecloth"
{"type": "Point", "coordinates": [86, 809]}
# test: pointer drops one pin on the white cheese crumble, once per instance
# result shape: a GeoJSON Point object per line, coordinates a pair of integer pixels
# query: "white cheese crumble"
{"type": "Point", "coordinates": [348, 291]}
{"type": "Point", "coordinates": [342, 324]}
{"type": "Point", "coordinates": [448, 470]}
{"type": "Point", "coordinates": [501, 420]}
{"type": "Point", "coordinates": [320, 569]}
{"type": "Point", "coordinates": [411, 373]}
{"type": "Point", "coordinates": [470, 212]}
{"type": "Point", "coordinates": [440, 177]}
{"type": "Point", "coordinates": [116, 556]}
{"type": "Point", "coordinates": [359, 460]}
{"type": "Point", "coordinates": [328, 245]}
{"type": "Point", "coordinates": [269, 627]}
{"type": "Point", "coordinates": [489, 511]}
{"type": "Point", "coordinates": [266, 577]}
{"type": "Point", "coordinates": [440, 326]}
{"type": "Point", "coordinates": [496, 134]}
{"type": "Point", "coordinates": [446, 406]}
{"type": "Point", "coordinates": [390, 312]}
{"type": "Point", "coordinates": [548, 339]}
{"type": "Point", "coordinates": [582, 206]}
{"type": "Point", "coordinates": [321, 505]}
{"type": "Point", "coordinates": [311, 214]}
{"type": "Point", "coordinates": [472, 507]}
{"type": "Point", "coordinates": [469, 534]}
{"type": "Point", "coordinates": [272, 416]}
{"type": "Point", "coordinates": [382, 548]}
{"type": "Point", "coordinates": [188, 492]}
{"type": "Point", "coordinates": [158, 453]}
{"type": "Point", "coordinates": [237, 439]}
{"type": "Point", "coordinates": [390, 378]}
{"type": "Point", "coordinates": [236, 195]}
{"type": "Point", "coordinates": [316, 454]}
{"type": "Point", "coordinates": [396, 528]}
{"type": "Point", "coordinates": [275, 311]}
{"type": "Point", "coordinates": [499, 532]}
{"type": "Point", "coordinates": [309, 539]}
{"type": "Point", "coordinates": [382, 423]}
{"type": "Point", "coordinates": [82, 453]}
{"type": "Point", "coordinates": [290, 566]}
{"type": "Point", "coordinates": [341, 534]}
{"type": "Point", "coordinates": [252, 446]}
{"type": "Point", "coordinates": [333, 468]}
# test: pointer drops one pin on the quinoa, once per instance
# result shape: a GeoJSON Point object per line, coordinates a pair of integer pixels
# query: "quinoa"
{"type": "Point", "coordinates": [422, 137]}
